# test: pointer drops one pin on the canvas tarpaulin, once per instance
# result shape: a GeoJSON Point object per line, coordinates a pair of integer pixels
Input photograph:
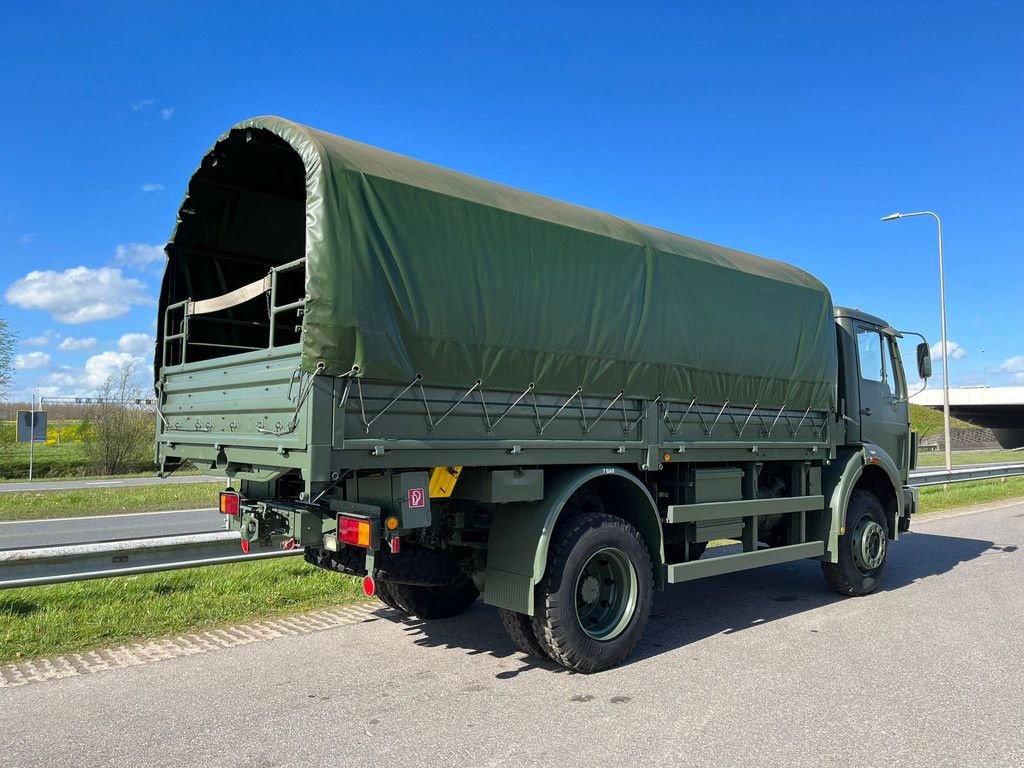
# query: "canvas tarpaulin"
{"type": "Point", "coordinates": [413, 269]}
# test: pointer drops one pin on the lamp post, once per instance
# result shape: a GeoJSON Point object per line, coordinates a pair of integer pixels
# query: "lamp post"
{"type": "Point", "coordinates": [945, 350]}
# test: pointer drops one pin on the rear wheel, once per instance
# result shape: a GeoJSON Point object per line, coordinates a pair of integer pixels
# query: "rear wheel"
{"type": "Point", "coordinates": [519, 627]}
{"type": "Point", "coordinates": [435, 602]}
{"type": "Point", "coordinates": [863, 548]}
{"type": "Point", "coordinates": [595, 598]}
{"type": "Point", "coordinates": [386, 594]}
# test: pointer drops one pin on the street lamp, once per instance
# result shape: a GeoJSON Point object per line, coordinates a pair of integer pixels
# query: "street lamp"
{"type": "Point", "coordinates": [945, 351]}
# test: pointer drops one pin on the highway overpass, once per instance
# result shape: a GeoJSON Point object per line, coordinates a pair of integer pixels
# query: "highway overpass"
{"type": "Point", "coordinates": [1001, 409]}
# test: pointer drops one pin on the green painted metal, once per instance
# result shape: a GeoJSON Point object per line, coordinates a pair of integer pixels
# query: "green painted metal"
{"type": "Point", "coordinates": [869, 543]}
{"type": "Point", "coordinates": [842, 477]}
{"type": "Point", "coordinates": [719, 510]}
{"type": "Point", "coordinates": [716, 566]}
{"type": "Point", "coordinates": [521, 533]}
{"type": "Point", "coordinates": [606, 594]}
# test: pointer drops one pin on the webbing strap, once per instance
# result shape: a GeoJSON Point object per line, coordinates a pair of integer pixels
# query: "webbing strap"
{"type": "Point", "coordinates": [234, 298]}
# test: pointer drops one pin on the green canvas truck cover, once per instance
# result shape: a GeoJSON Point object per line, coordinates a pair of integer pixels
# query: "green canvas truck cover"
{"type": "Point", "coordinates": [413, 269]}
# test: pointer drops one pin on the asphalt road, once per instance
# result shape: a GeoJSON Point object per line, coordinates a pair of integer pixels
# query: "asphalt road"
{"type": "Point", "coordinates": [123, 482]}
{"type": "Point", "coordinates": [85, 530]}
{"type": "Point", "coordinates": [760, 668]}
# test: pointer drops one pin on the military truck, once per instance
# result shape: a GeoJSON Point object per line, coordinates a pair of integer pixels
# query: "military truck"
{"type": "Point", "coordinates": [455, 389]}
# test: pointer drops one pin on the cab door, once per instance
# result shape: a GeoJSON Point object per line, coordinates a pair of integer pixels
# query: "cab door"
{"type": "Point", "coordinates": [883, 394]}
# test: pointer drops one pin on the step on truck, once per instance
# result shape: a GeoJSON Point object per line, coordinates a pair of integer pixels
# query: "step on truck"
{"type": "Point", "coordinates": [456, 390]}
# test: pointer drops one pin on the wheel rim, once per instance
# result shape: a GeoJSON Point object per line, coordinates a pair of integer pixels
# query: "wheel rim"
{"type": "Point", "coordinates": [606, 594]}
{"type": "Point", "coordinates": [869, 544]}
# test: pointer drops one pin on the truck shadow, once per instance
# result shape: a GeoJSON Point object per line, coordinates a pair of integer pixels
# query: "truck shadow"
{"type": "Point", "coordinates": [686, 613]}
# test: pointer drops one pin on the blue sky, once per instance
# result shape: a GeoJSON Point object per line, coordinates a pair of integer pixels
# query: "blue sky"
{"type": "Point", "coordinates": [786, 129]}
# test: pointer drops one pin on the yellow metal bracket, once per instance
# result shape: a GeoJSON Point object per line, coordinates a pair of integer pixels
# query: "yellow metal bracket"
{"type": "Point", "coordinates": [442, 481]}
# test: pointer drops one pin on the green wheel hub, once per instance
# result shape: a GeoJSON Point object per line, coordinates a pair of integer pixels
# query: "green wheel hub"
{"type": "Point", "coordinates": [606, 594]}
{"type": "Point", "coordinates": [869, 542]}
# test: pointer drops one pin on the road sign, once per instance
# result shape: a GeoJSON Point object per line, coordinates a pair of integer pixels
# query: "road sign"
{"type": "Point", "coordinates": [31, 426]}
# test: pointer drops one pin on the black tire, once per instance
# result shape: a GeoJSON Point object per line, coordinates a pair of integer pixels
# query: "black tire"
{"type": "Point", "coordinates": [386, 594]}
{"type": "Point", "coordinates": [565, 597]}
{"type": "Point", "coordinates": [436, 602]}
{"type": "Point", "coordinates": [863, 548]}
{"type": "Point", "coordinates": [520, 629]}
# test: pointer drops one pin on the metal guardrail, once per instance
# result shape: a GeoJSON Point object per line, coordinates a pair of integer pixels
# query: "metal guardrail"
{"type": "Point", "coordinates": [79, 562]}
{"type": "Point", "coordinates": [924, 477]}
{"type": "Point", "coordinates": [54, 565]}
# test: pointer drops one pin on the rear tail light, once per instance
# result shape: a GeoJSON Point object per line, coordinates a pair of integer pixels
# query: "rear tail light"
{"type": "Point", "coordinates": [352, 530]}
{"type": "Point", "coordinates": [230, 502]}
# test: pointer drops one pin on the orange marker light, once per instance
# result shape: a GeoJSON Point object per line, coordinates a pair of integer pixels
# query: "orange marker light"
{"type": "Point", "coordinates": [391, 523]}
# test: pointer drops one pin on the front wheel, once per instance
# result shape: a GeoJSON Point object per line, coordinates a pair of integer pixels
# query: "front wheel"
{"type": "Point", "coordinates": [595, 598]}
{"type": "Point", "coordinates": [863, 548]}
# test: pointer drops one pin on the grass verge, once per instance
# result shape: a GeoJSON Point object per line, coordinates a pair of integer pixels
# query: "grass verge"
{"type": "Point", "coordinates": [29, 505]}
{"type": "Point", "coordinates": [936, 499]}
{"type": "Point", "coordinates": [51, 620]}
{"type": "Point", "coordinates": [966, 458]}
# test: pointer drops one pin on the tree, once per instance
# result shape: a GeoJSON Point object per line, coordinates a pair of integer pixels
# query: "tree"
{"type": "Point", "coordinates": [8, 342]}
{"type": "Point", "coordinates": [120, 429]}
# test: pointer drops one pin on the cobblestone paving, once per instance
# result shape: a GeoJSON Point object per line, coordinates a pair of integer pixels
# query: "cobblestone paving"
{"type": "Point", "coordinates": [149, 651]}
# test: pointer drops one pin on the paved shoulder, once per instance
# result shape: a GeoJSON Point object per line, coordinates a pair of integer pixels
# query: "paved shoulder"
{"type": "Point", "coordinates": [85, 530]}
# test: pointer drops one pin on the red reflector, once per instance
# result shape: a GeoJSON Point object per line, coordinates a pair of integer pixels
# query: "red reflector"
{"type": "Point", "coordinates": [245, 546]}
{"type": "Point", "coordinates": [229, 503]}
{"type": "Point", "coordinates": [369, 588]}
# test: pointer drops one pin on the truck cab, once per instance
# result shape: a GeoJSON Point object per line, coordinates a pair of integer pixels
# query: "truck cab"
{"type": "Point", "coordinates": [874, 401]}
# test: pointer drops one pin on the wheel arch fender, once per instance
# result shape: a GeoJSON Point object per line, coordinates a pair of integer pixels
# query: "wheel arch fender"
{"type": "Point", "coordinates": [517, 549]}
{"type": "Point", "coordinates": [869, 467]}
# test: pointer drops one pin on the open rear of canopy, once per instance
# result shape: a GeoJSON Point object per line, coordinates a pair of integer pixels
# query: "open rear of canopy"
{"type": "Point", "coordinates": [414, 270]}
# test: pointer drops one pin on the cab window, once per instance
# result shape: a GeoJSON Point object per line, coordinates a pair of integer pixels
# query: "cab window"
{"type": "Point", "coordinates": [872, 359]}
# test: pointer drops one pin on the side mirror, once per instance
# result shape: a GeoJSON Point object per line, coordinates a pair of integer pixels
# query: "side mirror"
{"type": "Point", "coordinates": [924, 360]}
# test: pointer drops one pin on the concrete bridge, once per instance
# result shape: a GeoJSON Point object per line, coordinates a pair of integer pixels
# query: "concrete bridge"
{"type": "Point", "coordinates": [1001, 409]}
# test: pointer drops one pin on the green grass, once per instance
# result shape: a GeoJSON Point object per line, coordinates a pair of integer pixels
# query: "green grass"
{"type": "Point", "coordinates": [51, 620]}
{"type": "Point", "coordinates": [32, 505]}
{"type": "Point", "coordinates": [48, 461]}
{"type": "Point", "coordinates": [956, 495]}
{"type": "Point", "coordinates": [928, 421]}
{"type": "Point", "coordinates": [962, 458]}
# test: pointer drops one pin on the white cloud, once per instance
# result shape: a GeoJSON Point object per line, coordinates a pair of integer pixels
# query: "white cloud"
{"type": "Point", "coordinates": [955, 351]}
{"type": "Point", "coordinates": [141, 104]}
{"type": "Point", "coordinates": [101, 367]}
{"type": "Point", "coordinates": [139, 255]}
{"type": "Point", "coordinates": [31, 361]}
{"type": "Point", "coordinates": [44, 340]}
{"type": "Point", "coordinates": [139, 344]}
{"type": "Point", "coordinates": [71, 344]}
{"type": "Point", "coordinates": [1015, 367]}
{"type": "Point", "coordinates": [167, 113]}
{"type": "Point", "coordinates": [66, 379]}
{"type": "Point", "coordinates": [152, 187]}
{"type": "Point", "coordinates": [78, 295]}
{"type": "Point", "coordinates": [28, 238]}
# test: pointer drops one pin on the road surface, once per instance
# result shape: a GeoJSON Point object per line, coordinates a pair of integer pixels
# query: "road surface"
{"type": "Point", "coordinates": [113, 482]}
{"type": "Point", "coordinates": [761, 668]}
{"type": "Point", "coordinates": [84, 530]}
